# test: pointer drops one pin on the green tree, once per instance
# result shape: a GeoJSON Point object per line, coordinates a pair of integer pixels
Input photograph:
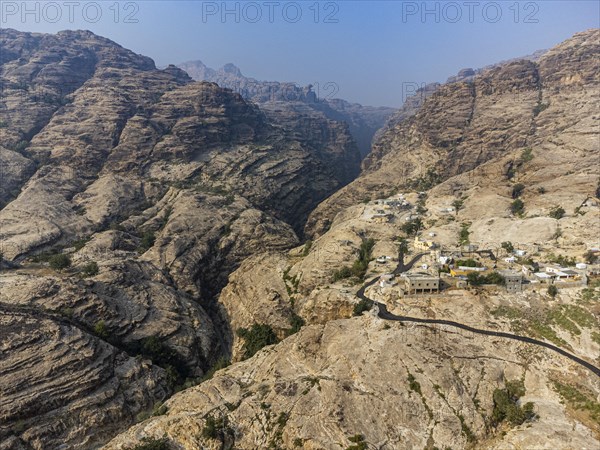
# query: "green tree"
{"type": "Point", "coordinates": [60, 261]}
{"type": "Point", "coordinates": [255, 338]}
{"type": "Point", "coordinates": [507, 245]}
{"type": "Point", "coordinates": [552, 291]}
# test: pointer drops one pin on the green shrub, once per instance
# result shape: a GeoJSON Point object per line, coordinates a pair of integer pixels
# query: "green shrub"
{"type": "Point", "coordinates": [557, 213]}
{"type": "Point", "coordinates": [148, 443]}
{"type": "Point", "coordinates": [59, 261]}
{"type": "Point", "coordinates": [90, 269]}
{"type": "Point", "coordinates": [101, 330]}
{"type": "Point", "coordinates": [148, 239]}
{"type": "Point", "coordinates": [458, 204]}
{"type": "Point", "coordinates": [463, 234]}
{"type": "Point", "coordinates": [216, 428]}
{"type": "Point", "coordinates": [296, 322]}
{"type": "Point", "coordinates": [467, 263]}
{"type": "Point", "coordinates": [221, 363]}
{"type": "Point", "coordinates": [413, 384]}
{"type": "Point", "coordinates": [527, 154]}
{"type": "Point", "coordinates": [475, 279]}
{"type": "Point", "coordinates": [517, 207]}
{"type": "Point", "coordinates": [358, 442]}
{"type": "Point", "coordinates": [590, 257]}
{"type": "Point", "coordinates": [341, 274]}
{"type": "Point", "coordinates": [361, 307]}
{"type": "Point", "coordinates": [552, 291]}
{"type": "Point", "coordinates": [508, 246]}
{"type": "Point", "coordinates": [506, 405]}
{"type": "Point", "coordinates": [517, 190]}
{"type": "Point", "coordinates": [307, 247]}
{"type": "Point", "coordinates": [255, 338]}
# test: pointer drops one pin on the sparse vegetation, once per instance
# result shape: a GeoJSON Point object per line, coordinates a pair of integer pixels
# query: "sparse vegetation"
{"type": "Point", "coordinates": [147, 241]}
{"type": "Point", "coordinates": [59, 261]}
{"type": "Point", "coordinates": [217, 428]}
{"type": "Point", "coordinates": [358, 442]}
{"type": "Point", "coordinates": [517, 207]}
{"type": "Point", "coordinates": [527, 155]}
{"type": "Point", "coordinates": [463, 234]}
{"type": "Point", "coordinates": [307, 246]}
{"type": "Point", "coordinates": [101, 330]}
{"type": "Point", "coordinates": [557, 213]}
{"type": "Point", "coordinates": [517, 190]}
{"type": "Point", "coordinates": [221, 363]}
{"type": "Point", "coordinates": [507, 245]}
{"type": "Point", "coordinates": [255, 338]}
{"type": "Point", "coordinates": [467, 263]}
{"type": "Point", "coordinates": [579, 400]}
{"type": "Point", "coordinates": [296, 322]}
{"type": "Point", "coordinates": [425, 181]}
{"type": "Point", "coordinates": [90, 269]}
{"type": "Point", "coordinates": [360, 265]}
{"type": "Point", "coordinates": [561, 260]}
{"type": "Point", "coordinates": [149, 443]}
{"type": "Point", "coordinates": [506, 405]}
{"type": "Point", "coordinates": [361, 307]}
{"type": "Point", "coordinates": [412, 227]}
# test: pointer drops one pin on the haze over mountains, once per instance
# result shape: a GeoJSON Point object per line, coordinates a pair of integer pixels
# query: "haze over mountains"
{"type": "Point", "coordinates": [155, 229]}
{"type": "Point", "coordinates": [318, 99]}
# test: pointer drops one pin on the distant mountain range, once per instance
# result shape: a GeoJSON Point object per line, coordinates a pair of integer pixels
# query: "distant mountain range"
{"type": "Point", "coordinates": [363, 121]}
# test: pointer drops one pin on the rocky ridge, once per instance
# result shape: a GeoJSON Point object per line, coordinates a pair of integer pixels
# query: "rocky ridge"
{"type": "Point", "coordinates": [363, 121]}
{"type": "Point", "coordinates": [156, 188]}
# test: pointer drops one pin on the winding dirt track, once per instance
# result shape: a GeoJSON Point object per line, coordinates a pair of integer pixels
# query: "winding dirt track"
{"type": "Point", "coordinates": [386, 315]}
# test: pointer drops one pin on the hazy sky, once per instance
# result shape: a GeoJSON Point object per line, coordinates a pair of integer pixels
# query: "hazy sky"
{"type": "Point", "coordinates": [374, 51]}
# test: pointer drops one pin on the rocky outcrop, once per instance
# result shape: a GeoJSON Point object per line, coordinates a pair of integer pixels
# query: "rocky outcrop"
{"type": "Point", "coordinates": [156, 187]}
{"type": "Point", "coordinates": [322, 387]}
{"type": "Point", "coordinates": [499, 113]}
{"type": "Point", "coordinates": [62, 386]}
{"type": "Point", "coordinates": [363, 121]}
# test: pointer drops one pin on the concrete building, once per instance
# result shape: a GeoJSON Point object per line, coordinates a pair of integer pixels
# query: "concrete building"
{"type": "Point", "coordinates": [421, 283]}
{"type": "Point", "coordinates": [514, 280]}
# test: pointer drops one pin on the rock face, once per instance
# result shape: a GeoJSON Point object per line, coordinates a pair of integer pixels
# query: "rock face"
{"type": "Point", "coordinates": [156, 187]}
{"type": "Point", "coordinates": [363, 121]}
{"type": "Point", "coordinates": [545, 105]}
{"type": "Point", "coordinates": [397, 386]}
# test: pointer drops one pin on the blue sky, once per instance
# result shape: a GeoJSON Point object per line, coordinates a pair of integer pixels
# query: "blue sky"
{"type": "Point", "coordinates": [374, 51]}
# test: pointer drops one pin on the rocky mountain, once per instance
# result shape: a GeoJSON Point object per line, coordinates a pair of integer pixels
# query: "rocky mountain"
{"type": "Point", "coordinates": [363, 121]}
{"type": "Point", "coordinates": [179, 206]}
{"type": "Point", "coordinates": [153, 188]}
{"type": "Point", "coordinates": [522, 130]}
{"type": "Point", "coordinates": [545, 106]}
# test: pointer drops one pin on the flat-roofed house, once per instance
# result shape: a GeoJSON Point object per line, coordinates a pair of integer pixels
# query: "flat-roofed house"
{"type": "Point", "coordinates": [421, 283]}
